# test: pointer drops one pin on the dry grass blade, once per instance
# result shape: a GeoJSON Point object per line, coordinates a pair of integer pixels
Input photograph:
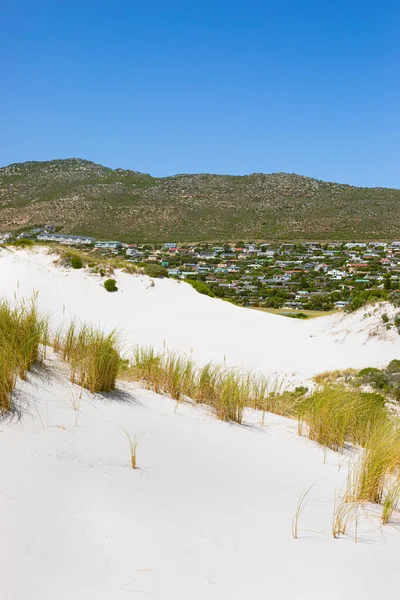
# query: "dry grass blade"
{"type": "Point", "coordinates": [390, 502]}
{"type": "Point", "coordinates": [299, 509]}
{"type": "Point", "coordinates": [342, 513]}
{"type": "Point", "coordinates": [133, 443]}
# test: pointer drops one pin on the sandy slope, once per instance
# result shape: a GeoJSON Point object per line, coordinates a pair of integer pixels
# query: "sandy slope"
{"type": "Point", "coordinates": [174, 314]}
{"type": "Point", "coordinates": [208, 513]}
{"type": "Point", "coordinates": [206, 516]}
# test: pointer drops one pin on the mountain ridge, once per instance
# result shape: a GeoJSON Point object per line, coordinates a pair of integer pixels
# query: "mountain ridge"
{"type": "Point", "coordinates": [81, 196]}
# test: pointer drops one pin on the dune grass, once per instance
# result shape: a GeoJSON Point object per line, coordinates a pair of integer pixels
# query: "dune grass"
{"type": "Point", "coordinates": [93, 355]}
{"type": "Point", "coordinates": [23, 336]}
{"type": "Point", "coordinates": [342, 513]}
{"type": "Point", "coordinates": [226, 390]}
{"type": "Point", "coordinates": [299, 509]}
{"type": "Point", "coordinates": [379, 465]}
{"type": "Point", "coordinates": [334, 415]}
{"type": "Point", "coordinates": [391, 501]}
{"type": "Point", "coordinates": [133, 444]}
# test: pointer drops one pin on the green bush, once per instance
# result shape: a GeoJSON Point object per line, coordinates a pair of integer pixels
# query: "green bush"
{"type": "Point", "coordinates": [76, 262]}
{"type": "Point", "coordinates": [385, 318]}
{"type": "Point", "coordinates": [110, 285]}
{"type": "Point", "coordinates": [200, 287]}
{"type": "Point", "coordinates": [366, 297]}
{"type": "Point", "coordinates": [155, 270]}
{"type": "Point", "coordinates": [394, 366]}
{"type": "Point", "coordinates": [394, 298]}
{"type": "Point", "coordinates": [23, 242]}
{"type": "Point", "coordinates": [301, 390]}
{"type": "Point", "coordinates": [375, 377]}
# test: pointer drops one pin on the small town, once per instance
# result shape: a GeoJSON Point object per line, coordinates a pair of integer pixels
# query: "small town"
{"type": "Point", "coordinates": [309, 276]}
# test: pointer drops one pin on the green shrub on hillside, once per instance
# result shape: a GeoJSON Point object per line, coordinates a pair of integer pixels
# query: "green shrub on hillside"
{"type": "Point", "coordinates": [376, 378]}
{"type": "Point", "coordinates": [111, 285]}
{"type": "Point", "coordinates": [23, 242]}
{"type": "Point", "coordinates": [155, 270]}
{"type": "Point", "coordinates": [394, 366]}
{"type": "Point", "coordinates": [76, 262]}
{"type": "Point", "coordinates": [394, 298]}
{"type": "Point", "coordinates": [365, 297]}
{"type": "Point", "coordinates": [200, 287]}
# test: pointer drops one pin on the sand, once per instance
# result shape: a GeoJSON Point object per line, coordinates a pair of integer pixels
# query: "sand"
{"type": "Point", "coordinates": [208, 513]}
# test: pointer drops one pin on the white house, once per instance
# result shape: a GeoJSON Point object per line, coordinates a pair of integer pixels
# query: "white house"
{"type": "Point", "coordinates": [114, 245]}
{"type": "Point", "coordinates": [66, 238]}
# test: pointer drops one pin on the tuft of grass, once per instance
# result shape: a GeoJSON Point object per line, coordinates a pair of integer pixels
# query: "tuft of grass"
{"type": "Point", "coordinates": [342, 513]}
{"type": "Point", "coordinates": [178, 375]}
{"type": "Point", "coordinates": [133, 444]}
{"type": "Point", "coordinates": [299, 509]}
{"type": "Point", "coordinates": [232, 396]}
{"type": "Point", "coordinates": [380, 461]}
{"type": "Point", "coordinates": [390, 502]}
{"type": "Point", "coordinates": [330, 377]}
{"type": "Point", "coordinates": [23, 336]}
{"type": "Point", "coordinates": [333, 415]}
{"type": "Point", "coordinates": [147, 368]}
{"type": "Point", "coordinates": [93, 355]}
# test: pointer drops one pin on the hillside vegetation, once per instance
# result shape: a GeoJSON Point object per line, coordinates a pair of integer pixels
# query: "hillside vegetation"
{"type": "Point", "coordinates": [81, 197]}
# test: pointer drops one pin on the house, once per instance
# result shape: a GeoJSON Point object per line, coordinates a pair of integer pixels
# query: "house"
{"type": "Point", "coordinates": [5, 237]}
{"type": "Point", "coordinates": [354, 267]}
{"type": "Point", "coordinates": [106, 245]}
{"type": "Point", "coordinates": [169, 245]}
{"type": "Point", "coordinates": [66, 238]}
{"type": "Point", "coordinates": [351, 245]}
{"type": "Point", "coordinates": [335, 274]}
{"type": "Point", "coordinates": [340, 304]}
{"type": "Point", "coordinates": [133, 252]}
{"type": "Point", "coordinates": [292, 305]}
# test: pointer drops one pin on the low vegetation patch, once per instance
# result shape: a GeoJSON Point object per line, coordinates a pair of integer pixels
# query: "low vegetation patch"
{"type": "Point", "coordinates": [227, 391]}
{"type": "Point", "coordinates": [200, 287]}
{"type": "Point", "coordinates": [76, 262]}
{"type": "Point", "coordinates": [111, 285]}
{"type": "Point", "coordinates": [153, 270]}
{"type": "Point", "coordinates": [23, 336]}
{"type": "Point", "coordinates": [23, 242]}
{"type": "Point", "coordinates": [93, 355]}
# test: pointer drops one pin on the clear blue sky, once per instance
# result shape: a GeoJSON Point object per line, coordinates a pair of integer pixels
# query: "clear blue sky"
{"type": "Point", "coordinates": [222, 86]}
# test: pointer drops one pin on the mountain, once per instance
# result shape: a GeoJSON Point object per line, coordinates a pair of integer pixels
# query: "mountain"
{"type": "Point", "coordinates": [79, 196]}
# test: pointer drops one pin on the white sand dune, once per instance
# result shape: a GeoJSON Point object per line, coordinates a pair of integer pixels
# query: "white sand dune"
{"type": "Point", "coordinates": [174, 314]}
{"type": "Point", "coordinates": [207, 515]}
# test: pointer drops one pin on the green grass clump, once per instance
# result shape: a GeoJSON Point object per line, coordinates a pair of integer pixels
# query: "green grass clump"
{"type": "Point", "coordinates": [226, 391]}
{"type": "Point", "coordinates": [333, 415]}
{"type": "Point", "coordinates": [23, 331]}
{"type": "Point", "coordinates": [391, 501]}
{"type": "Point", "coordinates": [93, 355]}
{"type": "Point", "coordinates": [380, 462]}
{"type": "Point", "coordinates": [178, 375]}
